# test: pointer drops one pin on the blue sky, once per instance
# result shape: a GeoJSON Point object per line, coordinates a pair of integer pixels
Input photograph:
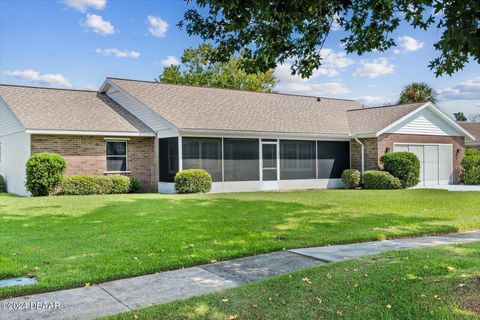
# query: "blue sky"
{"type": "Point", "coordinates": [77, 43]}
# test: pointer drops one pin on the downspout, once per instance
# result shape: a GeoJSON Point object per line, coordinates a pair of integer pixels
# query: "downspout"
{"type": "Point", "coordinates": [362, 160]}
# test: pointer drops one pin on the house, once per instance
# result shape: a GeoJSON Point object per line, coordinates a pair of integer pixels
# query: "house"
{"type": "Point", "coordinates": [247, 141]}
{"type": "Point", "coordinates": [474, 129]}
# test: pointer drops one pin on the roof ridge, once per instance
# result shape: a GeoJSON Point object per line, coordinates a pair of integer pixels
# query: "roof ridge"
{"type": "Point", "coordinates": [230, 89]}
{"type": "Point", "coordinates": [388, 106]}
{"type": "Point", "coordinates": [46, 88]}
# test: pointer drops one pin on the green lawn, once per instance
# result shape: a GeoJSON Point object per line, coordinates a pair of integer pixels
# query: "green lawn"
{"type": "Point", "coordinates": [71, 241]}
{"type": "Point", "coordinates": [434, 283]}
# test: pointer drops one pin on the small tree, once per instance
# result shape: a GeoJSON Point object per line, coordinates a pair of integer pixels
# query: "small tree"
{"type": "Point", "coordinates": [44, 173]}
{"type": "Point", "coordinates": [460, 116]}
{"type": "Point", "coordinates": [417, 92]}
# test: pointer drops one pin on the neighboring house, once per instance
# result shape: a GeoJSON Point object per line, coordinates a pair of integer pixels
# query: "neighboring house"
{"type": "Point", "coordinates": [247, 141]}
{"type": "Point", "coordinates": [474, 129]}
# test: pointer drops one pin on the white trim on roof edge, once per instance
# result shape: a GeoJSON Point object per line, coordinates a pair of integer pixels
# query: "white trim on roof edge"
{"type": "Point", "coordinates": [261, 134]}
{"type": "Point", "coordinates": [91, 133]}
{"type": "Point", "coordinates": [434, 108]}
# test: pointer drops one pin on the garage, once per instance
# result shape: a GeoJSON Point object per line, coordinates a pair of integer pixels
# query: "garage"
{"type": "Point", "coordinates": [436, 162]}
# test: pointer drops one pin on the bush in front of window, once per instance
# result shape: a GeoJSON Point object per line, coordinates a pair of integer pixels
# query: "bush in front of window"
{"type": "Point", "coordinates": [380, 180]}
{"type": "Point", "coordinates": [193, 181]}
{"type": "Point", "coordinates": [44, 173]}
{"type": "Point", "coordinates": [471, 167]}
{"type": "Point", "coordinates": [404, 166]}
{"type": "Point", "coordinates": [2, 185]}
{"type": "Point", "coordinates": [351, 178]}
{"type": "Point", "coordinates": [120, 184]}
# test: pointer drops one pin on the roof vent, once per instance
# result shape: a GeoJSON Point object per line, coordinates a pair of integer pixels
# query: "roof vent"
{"type": "Point", "coordinates": [318, 99]}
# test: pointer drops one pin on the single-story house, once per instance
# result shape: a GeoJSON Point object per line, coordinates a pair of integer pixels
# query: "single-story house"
{"type": "Point", "coordinates": [247, 141]}
{"type": "Point", "coordinates": [474, 129]}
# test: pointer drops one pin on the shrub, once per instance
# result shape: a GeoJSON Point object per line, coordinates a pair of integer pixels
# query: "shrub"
{"type": "Point", "coordinates": [472, 152]}
{"type": "Point", "coordinates": [374, 179]}
{"type": "Point", "coordinates": [44, 173]}
{"type": "Point", "coordinates": [193, 181]}
{"type": "Point", "coordinates": [471, 166]}
{"type": "Point", "coordinates": [2, 185]}
{"type": "Point", "coordinates": [404, 166]}
{"type": "Point", "coordinates": [134, 186]}
{"type": "Point", "coordinates": [86, 185]}
{"type": "Point", "coordinates": [120, 184]}
{"type": "Point", "coordinates": [351, 178]}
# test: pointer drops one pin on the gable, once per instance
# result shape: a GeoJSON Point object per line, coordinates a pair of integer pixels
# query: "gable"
{"type": "Point", "coordinates": [425, 122]}
{"type": "Point", "coordinates": [9, 123]}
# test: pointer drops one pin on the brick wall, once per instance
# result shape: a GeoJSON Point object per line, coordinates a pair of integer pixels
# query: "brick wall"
{"type": "Point", "coordinates": [86, 155]}
{"type": "Point", "coordinates": [377, 147]}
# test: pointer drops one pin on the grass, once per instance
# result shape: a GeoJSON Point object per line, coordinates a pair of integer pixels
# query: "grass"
{"type": "Point", "coordinates": [434, 283]}
{"type": "Point", "coordinates": [71, 241]}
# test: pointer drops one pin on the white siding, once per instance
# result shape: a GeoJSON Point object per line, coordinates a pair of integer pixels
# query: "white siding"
{"type": "Point", "coordinates": [8, 121]}
{"type": "Point", "coordinates": [14, 153]}
{"type": "Point", "coordinates": [146, 115]}
{"type": "Point", "coordinates": [425, 122]}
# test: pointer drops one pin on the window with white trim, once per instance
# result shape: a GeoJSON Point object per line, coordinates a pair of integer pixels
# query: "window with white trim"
{"type": "Point", "coordinates": [116, 156]}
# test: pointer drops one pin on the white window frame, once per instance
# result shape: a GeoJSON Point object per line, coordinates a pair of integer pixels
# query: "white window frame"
{"type": "Point", "coordinates": [125, 156]}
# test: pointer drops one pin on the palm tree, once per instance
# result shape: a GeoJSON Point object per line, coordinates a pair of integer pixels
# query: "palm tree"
{"type": "Point", "coordinates": [417, 92]}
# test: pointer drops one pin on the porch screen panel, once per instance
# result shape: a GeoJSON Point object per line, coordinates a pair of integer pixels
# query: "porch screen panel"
{"type": "Point", "coordinates": [297, 160]}
{"type": "Point", "coordinates": [167, 158]}
{"type": "Point", "coordinates": [241, 159]}
{"type": "Point", "coordinates": [333, 158]}
{"type": "Point", "coordinates": [203, 153]}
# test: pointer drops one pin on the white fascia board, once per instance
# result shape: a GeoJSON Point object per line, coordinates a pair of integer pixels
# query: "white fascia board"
{"type": "Point", "coordinates": [91, 133]}
{"type": "Point", "coordinates": [261, 134]}
{"type": "Point", "coordinates": [437, 111]}
{"type": "Point", "coordinates": [109, 83]}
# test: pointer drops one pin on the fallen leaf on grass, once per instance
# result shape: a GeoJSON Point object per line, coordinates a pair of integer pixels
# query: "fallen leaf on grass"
{"type": "Point", "coordinates": [224, 300]}
{"type": "Point", "coordinates": [307, 280]}
{"type": "Point", "coordinates": [319, 300]}
{"type": "Point", "coordinates": [339, 313]}
{"type": "Point", "coordinates": [234, 317]}
{"type": "Point", "coordinates": [389, 306]}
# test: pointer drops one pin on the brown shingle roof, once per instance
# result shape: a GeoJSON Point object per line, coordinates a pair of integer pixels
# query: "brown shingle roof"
{"type": "Point", "coordinates": [72, 110]}
{"type": "Point", "coordinates": [190, 107]}
{"type": "Point", "coordinates": [473, 128]}
{"type": "Point", "coordinates": [372, 120]}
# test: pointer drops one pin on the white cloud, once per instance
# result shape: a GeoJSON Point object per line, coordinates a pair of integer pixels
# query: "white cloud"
{"type": "Point", "coordinates": [410, 44]}
{"type": "Point", "coordinates": [375, 68]}
{"type": "Point", "coordinates": [34, 76]}
{"type": "Point", "coordinates": [170, 60]}
{"type": "Point", "coordinates": [373, 101]}
{"type": "Point", "coordinates": [119, 53]}
{"type": "Point", "coordinates": [157, 27]}
{"type": "Point", "coordinates": [98, 25]}
{"type": "Point", "coordinates": [468, 90]}
{"type": "Point", "coordinates": [91, 87]}
{"type": "Point", "coordinates": [83, 5]}
{"type": "Point", "coordinates": [312, 89]}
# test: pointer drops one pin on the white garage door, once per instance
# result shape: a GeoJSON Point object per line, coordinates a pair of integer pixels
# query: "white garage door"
{"type": "Point", "coordinates": [436, 162]}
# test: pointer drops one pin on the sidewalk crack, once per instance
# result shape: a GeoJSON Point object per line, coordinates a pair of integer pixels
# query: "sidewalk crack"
{"type": "Point", "coordinates": [111, 295]}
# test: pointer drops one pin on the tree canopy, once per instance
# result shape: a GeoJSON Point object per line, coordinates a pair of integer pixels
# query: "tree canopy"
{"type": "Point", "coordinates": [417, 92]}
{"type": "Point", "coordinates": [460, 116]}
{"type": "Point", "coordinates": [198, 69]}
{"type": "Point", "coordinates": [270, 32]}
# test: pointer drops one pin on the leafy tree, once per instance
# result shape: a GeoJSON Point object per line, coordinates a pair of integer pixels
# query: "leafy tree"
{"type": "Point", "coordinates": [417, 92]}
{"type": "Point", "coordinates": [475, 117]}
{"type": "Point", "coordinates": [197, 69]}
{"type": "Point", "coordinates": [270, 32]}
{"type": "Point", "coordinates": [460, 116]}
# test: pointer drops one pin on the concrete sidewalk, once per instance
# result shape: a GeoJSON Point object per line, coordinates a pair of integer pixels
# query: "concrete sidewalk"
{"type": "Point", "coordinates": [133, 293]}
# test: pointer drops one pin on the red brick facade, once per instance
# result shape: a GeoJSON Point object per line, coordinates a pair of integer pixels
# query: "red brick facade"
{"type": "Point", "coordinates": [376, 147]}
{"type": "Point", "coordinates": [87, 155]}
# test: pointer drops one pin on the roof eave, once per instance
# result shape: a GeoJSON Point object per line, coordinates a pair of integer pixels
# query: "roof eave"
{"type": "Point", "coordinates": [91, 133]}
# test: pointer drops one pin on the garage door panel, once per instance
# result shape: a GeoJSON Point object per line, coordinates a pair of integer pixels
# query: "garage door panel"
{"type": "Point", "coordinates": [431, 165]}
{"type": "Point", "coordinates": [418, 151]}
{"type": "Point", "coordinates": [445, 155]}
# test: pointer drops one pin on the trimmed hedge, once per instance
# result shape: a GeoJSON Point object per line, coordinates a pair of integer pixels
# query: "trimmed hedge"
{"type": "Point", "coordinates": [351, 178]}
{"type": "Point", "coordinates": [472, 152]}
{"type": "Point", "coordinates": [88, 185]}
{"type": "Point", "coordinates": [44, 173]}
{"type": "Point", "coordinates": [404, 166]}
{"type": "Point", "coordinates": [193, 181]}
{"type": "Point", "coordinates": [380, 180]}
{"type": "Point", "coordinates": [2, 185]}
{"type": "Point", "coordinates": [471, 166]}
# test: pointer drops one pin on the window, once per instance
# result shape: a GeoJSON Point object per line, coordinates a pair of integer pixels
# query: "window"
{"type": "Point", "coordinates": [333, 158]}
{"type": "Point", "coordinates": [241, 160]}
{"type": "Point", "coordinates": [167, 158]}
{"type": "Point", "coordinates": [203, 153]}
{"type": "Point", "coordinates": [297, 160]}
{"type": "Point", "coordinates": [116, 156]}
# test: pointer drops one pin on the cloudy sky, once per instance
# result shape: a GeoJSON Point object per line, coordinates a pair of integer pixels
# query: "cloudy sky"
{"type": "Point", "coordinates": [77, 43]}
